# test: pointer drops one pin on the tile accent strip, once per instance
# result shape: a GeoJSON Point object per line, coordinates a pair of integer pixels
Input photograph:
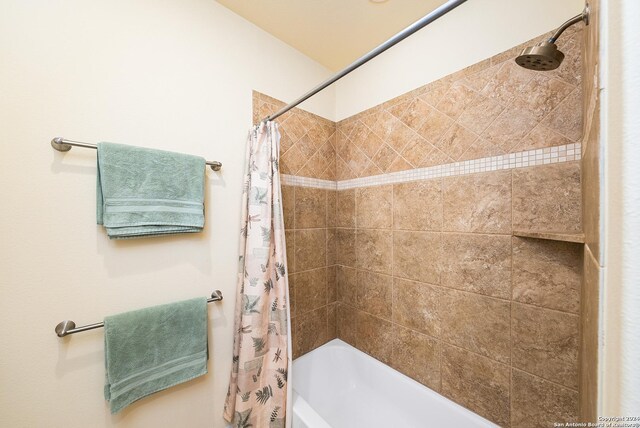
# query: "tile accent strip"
{"type": "Point", "coordinates": [557, 154]}
{"type": "Point", "coordinates": [294, 180]}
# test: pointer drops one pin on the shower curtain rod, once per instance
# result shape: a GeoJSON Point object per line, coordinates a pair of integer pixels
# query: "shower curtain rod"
{"type": "Point", "coordinates": [421, 23]}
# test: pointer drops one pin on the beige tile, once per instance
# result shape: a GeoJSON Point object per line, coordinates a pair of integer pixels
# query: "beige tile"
{"type": "Point", "coordinates": [346, 280]}
{"type": "Point", "coordinates": [311, 290]}
{"type": "Point", "coordinates": [346, 247]}
{"type": "Point", "coordinates": [347, 319]}
{"type": "Point", "coordinates": [435, 125]}
{"type": "Point", "coordinates": [476, 323]}
{"type": "Point", "coordinates": [457, 99]}
{"type": "Point", "coordinates": [332, 284]}
{"type": "Point", "coordinates": [588, 355]}
{"type": "Point", "coordinates": [539, 138]}
{"type": "Point", "coordinates": [417, 205]}
{"type": "Point", "coordinates": [477, 203]}
{"type": "Point", "coordinates": [374, 294]}
{"type": "Point", "coordinates": [511, 126]}
{"type": "Point", "coordinates": [417, 356]}
{"type": "Point", "coordinates": [373, 250]}
{"type": "Point", "coordinates": [478, 383]}
{"type": "Point", "coordinates": [331, 208]}
{"type": "Point", "coordinates": [288, 206]}
{"type": "Point", "coordinates": [292, 160]}
{"type": "Point", "coordinates": [416, 150]}
{"type": "Point", "coordinates": [545, 343]}
{"type": "Point", "coordinates": [417, 256]}
{"type": "Point", "coordinates": [311, 207]}
{"type": "Point", "coordinates": [346, 208]}
{"type": "Point", "coordinates": [374, 207]}
{"type": "Point", "coordinates": [416, 305]}
{"type": "Point", "coordinates": [384, 157]}
{"type": "Point", "coordinates": [332, 321]}
{"type": "Point", "coordinates": [480, 114]}
{"type": "Point", "coordinates": [509, 80]}
{"type": "Point", "coordinates": [311, 330]}
{"type": "Point", "coordinates": [331, 246]}
{"type": "Point", "coordinates": [456, 141]}
{"type": "Point", "coordinates": [289, 237]}
{"type": "Point", "coordinates": [548, 198]}
{"type": "Point", "coordinates": [477, 263]}
{"type": "Point", "coordinates": [536, 402]}
{"type": "Point", "coordinates": [310, 249]}
{"type": "Point", "coordinates": [547, 273]}
{"type": "Point", "coordinates": [292, 295]}
{"type": "Point", "coordinates": [566, 119]}
{"type": "Point", "coordinates": [542, 94]}
{"type": "Point", "coordinates": [375, 337]}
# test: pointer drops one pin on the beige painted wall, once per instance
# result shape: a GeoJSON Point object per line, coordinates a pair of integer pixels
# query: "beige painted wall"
{"type": "Point", "coordinates": [472, 32]}
{"type": "Point", "coordinates": [169, 74]}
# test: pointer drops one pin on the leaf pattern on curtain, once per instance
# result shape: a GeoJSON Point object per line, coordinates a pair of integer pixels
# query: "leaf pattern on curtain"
{"type": "Point", "coordinates": [258, 388]}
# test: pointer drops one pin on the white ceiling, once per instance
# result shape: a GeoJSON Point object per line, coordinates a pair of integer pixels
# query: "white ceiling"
{"type": "Point", "coordinates": [332, 32]}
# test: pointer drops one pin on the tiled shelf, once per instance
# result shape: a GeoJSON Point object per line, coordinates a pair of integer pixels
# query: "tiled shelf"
{"type": "Point", "coordinates": [552, 236]}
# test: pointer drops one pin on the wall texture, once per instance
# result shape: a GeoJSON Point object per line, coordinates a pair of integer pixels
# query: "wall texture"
{"type": "Point", "coordinates": [174, 75]}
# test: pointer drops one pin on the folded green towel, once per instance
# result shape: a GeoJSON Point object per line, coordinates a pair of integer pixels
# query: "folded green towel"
{"type": "Point", "coordinates": [144, 192]}
{"type": "Point", "coordinates": [152, 349]}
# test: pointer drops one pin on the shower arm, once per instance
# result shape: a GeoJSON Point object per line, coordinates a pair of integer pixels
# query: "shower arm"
{"type": "Point", "coordinates": [584, 16]}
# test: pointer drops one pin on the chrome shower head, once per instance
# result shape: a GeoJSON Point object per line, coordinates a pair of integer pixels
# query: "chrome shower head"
{"type": "Point", "coordinates": [545, 55]}
{"type": "Point", "coordinates": [541, 57]}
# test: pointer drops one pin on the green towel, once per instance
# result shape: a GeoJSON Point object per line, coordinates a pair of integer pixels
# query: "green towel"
{"type": "Point", "coordinates": [152, 349]}
{"type": "Point", "coordinates": [144, 192]}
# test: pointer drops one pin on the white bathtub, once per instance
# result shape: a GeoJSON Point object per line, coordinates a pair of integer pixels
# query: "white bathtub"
{"type": "Point", "coordinates": [338, 386]}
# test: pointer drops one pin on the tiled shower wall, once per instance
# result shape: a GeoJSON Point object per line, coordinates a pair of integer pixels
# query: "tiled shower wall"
{"type": "Point", "coordinates": [425, 274]}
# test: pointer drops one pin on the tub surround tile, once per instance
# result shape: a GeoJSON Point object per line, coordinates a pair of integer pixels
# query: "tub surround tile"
{"type": "Point", "coordinates": [292, 295]}
{"type": "Point", "coordinates": [374, 293]}
{"type": "Point", "coordinates": [332, 321]}
{"type": "Point", "coordinates": [476, 323]}
{"type": "Point", "coordinates": [547, 273]}
{"type": "Point", "coordinates": [477, 263]}
{"type": "Point", "coordinates": [416, 306]}
{"type": "Point", "coordinates": [347, 285]}
{"type": "Point", "coordinates": [347, 319]}
{"type": "Point", "coordinates": [374, 207]}
{"type": "Point", "coordinates": [331, 208]}
{"type": "Point", "coordinates": [566, 119]}
{"type": "Point", "coordinates": [547, 198]}
{"type": "Point", "coordinates": [332, 284]}
{"type": "Point", "coordinates": [418, 205]}
{"type": "Point", "coordinates": [375, 336]}
{"type": "Point", "coordinates": [289, 238]}
{"type": "Point", "coordinates": [310, 208]}
{"type": "Point", "coordinates": [288, 206]}
{"type": "Point", "coordinates": [311, 290]}
{"type": "Point", "coordinates": [373, 250]}
{"type": "Point", "coordinates": [417, 356]}
{"type": "Point", "coordinates": [476, 382]}
{"type": "Point", "coordinates": [310, 249]}
{"type": "Point", "coordinates": [346, 247]}
{"type": "Point", "coordinates": [311, 331]}
{"type": "Point", "coordinates": [545, 343]}
{"type": "Point", "coordinates": [346, 208]}
{"type": "Point", "coordinates": [536, 402]}
{"type": "Point", "coordinates": [477, 203]}
{"type": "Point", "coordinates": [417, 255]}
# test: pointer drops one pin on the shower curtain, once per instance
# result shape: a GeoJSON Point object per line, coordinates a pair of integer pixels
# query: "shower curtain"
{"type": "Point", "coordinates": [259, 391]}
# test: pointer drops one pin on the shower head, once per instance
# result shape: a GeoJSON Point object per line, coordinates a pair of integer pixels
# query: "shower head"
{"type": "Point", "coordinates": [545, 55]}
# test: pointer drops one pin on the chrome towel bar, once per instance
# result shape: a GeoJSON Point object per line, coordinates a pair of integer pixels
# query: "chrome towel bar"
{"type": "Point", "coordinates": [63, 145]}
{"type": "Point", "coordinates": [69, 327]}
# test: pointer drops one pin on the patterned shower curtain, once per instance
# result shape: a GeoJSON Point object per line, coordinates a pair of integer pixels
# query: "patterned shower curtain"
{"type": "Point", "coordinates": [258, 390]}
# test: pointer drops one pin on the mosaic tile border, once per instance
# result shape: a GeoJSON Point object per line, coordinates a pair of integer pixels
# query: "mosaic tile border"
{"type": "Point", "coordinates": [294, 180]}
{"type": "Point", "coordinates": [528, 158]}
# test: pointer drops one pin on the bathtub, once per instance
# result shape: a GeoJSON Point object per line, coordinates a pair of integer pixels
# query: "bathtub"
{"type": "Point", "coordinates": [338, 386]}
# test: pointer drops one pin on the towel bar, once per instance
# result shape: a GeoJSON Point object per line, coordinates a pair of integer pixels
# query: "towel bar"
{"type": "Point", "coordinates": [69, 327]}
{"type": "Point", "coordinates": [62, 145]}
